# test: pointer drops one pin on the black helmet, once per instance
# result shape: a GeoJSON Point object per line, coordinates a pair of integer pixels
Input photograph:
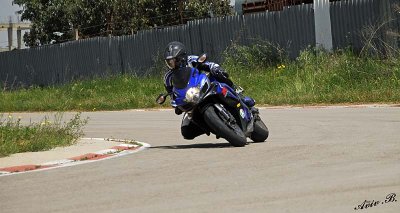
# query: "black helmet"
{"type": "Point", "coordinates": [175, 55]}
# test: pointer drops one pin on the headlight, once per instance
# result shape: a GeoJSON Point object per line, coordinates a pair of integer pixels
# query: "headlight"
{"type": "Point", "coordinates": [192, 95]}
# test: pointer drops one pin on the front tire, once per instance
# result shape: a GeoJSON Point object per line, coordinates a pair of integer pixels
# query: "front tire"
{"type": "Point", "coordinates": [234, 135]}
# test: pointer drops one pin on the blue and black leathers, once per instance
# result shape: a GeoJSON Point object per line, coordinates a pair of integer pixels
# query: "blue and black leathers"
{"type": "Point", "coordinates": [213, 68]}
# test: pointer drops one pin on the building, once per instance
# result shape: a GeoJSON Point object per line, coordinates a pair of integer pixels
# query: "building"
{"type": "Point", "coordinates": [251, 6]}
{"type": "Point", "coordinates": [10, 28]}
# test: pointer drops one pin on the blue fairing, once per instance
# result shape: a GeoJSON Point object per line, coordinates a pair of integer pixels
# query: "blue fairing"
{"type": "Point", "coordinates": [232, 94]}
{"type": "Point", "coordinates": [197, 79]}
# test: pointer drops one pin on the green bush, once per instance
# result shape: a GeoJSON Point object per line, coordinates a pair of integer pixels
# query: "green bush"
{"type": "Point", "coordinates": [16, 138]}
{"type": "Point", "coordinates": [258, 54]}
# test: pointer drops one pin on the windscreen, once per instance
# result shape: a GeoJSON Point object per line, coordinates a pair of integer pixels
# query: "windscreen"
{"type": "Point", "coordinates": [181, 77]}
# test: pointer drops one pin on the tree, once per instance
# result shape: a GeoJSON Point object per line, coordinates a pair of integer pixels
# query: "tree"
{"type": "Point", "coordinates": [195, 9]}
{"type": "Point", "coordinates": [109, 17]}
{"type": "Point", "coordinates": [47, 17]}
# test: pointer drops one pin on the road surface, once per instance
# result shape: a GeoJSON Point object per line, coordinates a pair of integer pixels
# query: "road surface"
{"type": "Point", "coordinates": [316, 160]}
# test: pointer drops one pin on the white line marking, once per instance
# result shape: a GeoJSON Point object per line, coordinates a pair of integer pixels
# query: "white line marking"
{"type": "Point", "coordinates": [57, 162]}
{"type": "Point", "coordinates": [127, 145]}
{"type": "Point", "coordinates": [106, 151]}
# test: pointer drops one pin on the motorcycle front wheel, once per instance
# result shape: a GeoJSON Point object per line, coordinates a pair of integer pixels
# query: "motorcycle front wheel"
{"type": "Point", "coordinates": [231, 132]}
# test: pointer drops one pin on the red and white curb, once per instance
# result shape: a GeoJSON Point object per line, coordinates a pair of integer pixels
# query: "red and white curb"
{"type": "Point", "coordinates": [127, 147]}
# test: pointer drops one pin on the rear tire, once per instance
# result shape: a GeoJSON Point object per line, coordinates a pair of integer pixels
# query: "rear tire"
{"type": "Point", "coordinates": [260, 133]}
{"type": "Point", "coordinates": [217, 125]}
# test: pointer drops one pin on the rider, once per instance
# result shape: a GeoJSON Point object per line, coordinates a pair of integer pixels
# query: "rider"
{"type": "Point", "coordinates": [176, 58]}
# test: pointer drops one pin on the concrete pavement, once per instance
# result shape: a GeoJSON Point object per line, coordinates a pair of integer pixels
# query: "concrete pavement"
{"type": "Point", "coordinates": [316, 160]}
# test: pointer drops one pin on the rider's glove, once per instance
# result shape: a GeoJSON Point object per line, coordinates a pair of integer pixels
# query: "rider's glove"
{"type": "Point", "coordinates": [217, 71]}
{"type": "Point", "coordinates": [224, 73]}
{"type": "Point", "coordinates": [221, 75]}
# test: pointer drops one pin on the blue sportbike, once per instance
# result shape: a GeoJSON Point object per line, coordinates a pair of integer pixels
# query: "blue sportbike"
{"type": "Point", "coordinates": [215, 107]}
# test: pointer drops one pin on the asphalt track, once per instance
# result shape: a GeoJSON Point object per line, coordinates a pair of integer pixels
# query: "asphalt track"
{"type": "Point", "coordinates": [316, 160]}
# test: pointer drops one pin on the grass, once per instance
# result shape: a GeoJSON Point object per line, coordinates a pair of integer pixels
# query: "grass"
{"type": "Point", "coordinates": [321, 78]}
{"type": "Point", "coordinates": [112, 93]}
{"type": "Point", "coordinates": [313, 78]}
{"type": "Point", "coordinates": [16, 138]}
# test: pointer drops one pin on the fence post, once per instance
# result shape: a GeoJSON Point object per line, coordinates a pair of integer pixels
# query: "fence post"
{"type": "Point", "coordinates": [19, 39]}
{"type": "Point", "coordinates": [76, 34]}
{"type": "Point", "coordinates": [323, 30]}
{"type": "Point", "coordinates": [10, 36]}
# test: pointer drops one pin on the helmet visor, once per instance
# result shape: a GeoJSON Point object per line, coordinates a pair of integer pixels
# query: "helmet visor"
{"type": "Point", "coordinates": [171, 63]}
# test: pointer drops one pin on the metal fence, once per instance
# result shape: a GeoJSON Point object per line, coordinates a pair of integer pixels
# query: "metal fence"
{"type": "Point", "coordinates": [355, 23]}
{"type": "Point", "coordinates": [293, 29]}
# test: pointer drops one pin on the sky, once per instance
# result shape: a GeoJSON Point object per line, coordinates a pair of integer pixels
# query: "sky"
{"type": "Point", "coordinates": [7, 10]}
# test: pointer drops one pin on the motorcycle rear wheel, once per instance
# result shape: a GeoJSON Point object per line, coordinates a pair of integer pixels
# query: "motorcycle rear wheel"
{"type": "Point", "coordinates": [235, 136]}
{"type": "Point", "coordinates": [260, 133]}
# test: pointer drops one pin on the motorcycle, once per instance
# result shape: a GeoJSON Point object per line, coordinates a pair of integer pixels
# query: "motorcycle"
{"type": "Point", "coordinates": [215, 107]}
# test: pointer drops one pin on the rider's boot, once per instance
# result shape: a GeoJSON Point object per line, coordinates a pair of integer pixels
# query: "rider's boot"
{"type": "Point", "coordinates": [249, 101]}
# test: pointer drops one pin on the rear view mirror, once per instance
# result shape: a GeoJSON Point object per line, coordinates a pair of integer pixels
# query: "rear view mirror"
{"type": "Point", "coordinates": [202, 58]}
{"type": "Point", "coordinates": [160, 99]}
